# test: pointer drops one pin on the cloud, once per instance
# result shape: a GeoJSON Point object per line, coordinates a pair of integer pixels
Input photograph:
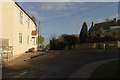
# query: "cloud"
{"type": "Point", "coordinates": [58, 10]}
{"type": "Point", "coordinates": [34, 13]}
{"type": "Point", "coordinates": [104, 18]}
{"type": "Point", "coordinates": [31, 10]}
{"type": "Point", "coordinates": [114, 16]}
{"type": "Point", "coordinates": [95, 0]}
{"type": "Point", "coordinates": [74, 26]}
{"type": "Point", "coordinates": [56, 6]}
{"type": "Point", "coordinates": [39, 17]}
{"type": "Point", "coordinates": [61, 10]}
{"type": "Point", "coordinates": [67, 0]}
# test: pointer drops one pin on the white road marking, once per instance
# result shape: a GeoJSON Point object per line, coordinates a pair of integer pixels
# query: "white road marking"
{"type": "Point", "coordinates": [17, 76]}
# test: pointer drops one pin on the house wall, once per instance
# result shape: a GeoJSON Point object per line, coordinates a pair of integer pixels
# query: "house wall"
{"type": "Point", "coordinates": [7, 21]}
{"type": "Point", "coordinates": [118, 43]}
{"type": "Point", "coordinates": [0, 28]}
{"type": "Point", "coordinates": [24, 29]}
{"type": "Point", "coordinates": [12, 27]}
{"type": "Point", "coordinates": [0, 20]}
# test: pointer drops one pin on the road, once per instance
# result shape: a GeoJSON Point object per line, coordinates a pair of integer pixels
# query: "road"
{"type": "Point", "coordinates": [57, 64]}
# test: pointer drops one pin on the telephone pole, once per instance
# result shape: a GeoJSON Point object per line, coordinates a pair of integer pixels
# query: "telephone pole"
{"type": "Point", "coordinates": [38, 32]}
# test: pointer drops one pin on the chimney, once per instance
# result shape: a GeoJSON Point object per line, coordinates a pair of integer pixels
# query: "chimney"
{"type": "Point", "coordinates": [114, 19]}
{"type": "Point", "coordinates": [92, 24]}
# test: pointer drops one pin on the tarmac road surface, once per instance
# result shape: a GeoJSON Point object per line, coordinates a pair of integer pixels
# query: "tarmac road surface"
{"type": "Point", "coordinates": [57, 64]}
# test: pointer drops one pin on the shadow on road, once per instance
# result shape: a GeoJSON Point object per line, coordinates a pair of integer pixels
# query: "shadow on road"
{"type": "Point", "coordinates": [57, 64]}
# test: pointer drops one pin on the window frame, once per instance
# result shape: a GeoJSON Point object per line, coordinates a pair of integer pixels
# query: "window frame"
{"type": "Point", "coordinates": [21, 17]}
{"type": "Point", "coordinates": [20, 38]}
{"type": "Point", "coordinates": [28, 22]}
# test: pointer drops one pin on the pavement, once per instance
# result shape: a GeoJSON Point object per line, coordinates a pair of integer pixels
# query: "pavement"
{"type": "Point", "coordinates": [23, 57]}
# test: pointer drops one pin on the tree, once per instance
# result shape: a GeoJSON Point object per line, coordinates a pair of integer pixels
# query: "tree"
{"type": "Point", "coordinates": [83, 36]}
{"type": "Point", "coordinates": [115, 35]}
{"type": "Point", "coordinates": [57, 43]}
{"type": "Point", "coordinates": [71, 40]}
{"type": "Point", "coordinates": [63, 41]}
{"type": "Point", "coordinates": [101, 32]}
{"type": "Point", "coordinates": [107, 19]}
{"type": "Point", "coordinates": [67, 39]}
{"type": "Point", "coordinates": [41, 39]}
{"type": "Point", "coordinates": [33, 18]}
{"type": "Point", "coordinates": [53, 43]}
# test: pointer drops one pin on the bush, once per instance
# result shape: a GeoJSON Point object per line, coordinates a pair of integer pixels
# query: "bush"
{"type": "Point", "coordinates": [63, 41]}
{"type": "Point", "coordinates": [57, 44]}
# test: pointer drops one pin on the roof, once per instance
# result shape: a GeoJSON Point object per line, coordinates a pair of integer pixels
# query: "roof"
{"type": "Point", "coordinates": [25, 12]}
{"type": "Point", "coordinates": [105, 25]}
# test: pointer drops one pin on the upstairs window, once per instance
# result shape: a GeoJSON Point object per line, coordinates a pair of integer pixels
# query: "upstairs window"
{"type": "Point", "coordinates": [21, 17]}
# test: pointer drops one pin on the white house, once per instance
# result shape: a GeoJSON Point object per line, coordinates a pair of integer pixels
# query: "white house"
{"type": "Point", "coordinates": [17, 28]}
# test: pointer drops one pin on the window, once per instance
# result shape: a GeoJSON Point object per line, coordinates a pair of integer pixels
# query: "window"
{"type": "Point", "coordinates": [28, 23]}
{"type": "Point", "coordinates": [36, 40]}
{"type": "Point", "coordinates": [21, 17]}
{"type": "Point", "coordinates": [20, 37]}
{"type": "Point", "coordinates": [33, 40]}
{"type": "Point", "coordinates": [28, 39]}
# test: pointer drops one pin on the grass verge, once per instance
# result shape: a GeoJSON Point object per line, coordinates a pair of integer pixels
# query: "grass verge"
{"type": "Point", "coordinates": [107, 70]}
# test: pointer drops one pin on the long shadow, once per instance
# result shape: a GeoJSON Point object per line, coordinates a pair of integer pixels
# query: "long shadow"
{"type": "Point", "coordinates": [61, 64]}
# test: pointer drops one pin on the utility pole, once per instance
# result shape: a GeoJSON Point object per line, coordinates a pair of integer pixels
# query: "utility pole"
{"type": "Point", "coordinates": [38, 32]}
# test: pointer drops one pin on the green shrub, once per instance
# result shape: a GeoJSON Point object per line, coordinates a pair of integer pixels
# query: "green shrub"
{"type": "Point", "coordinates": [57, 44]}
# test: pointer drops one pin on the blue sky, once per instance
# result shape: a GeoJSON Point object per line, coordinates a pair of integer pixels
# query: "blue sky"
{"type": "Point", "coordinates": [67, 17]}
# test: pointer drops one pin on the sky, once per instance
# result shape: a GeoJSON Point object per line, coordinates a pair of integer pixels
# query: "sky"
{"type": "Point", "coordinates": [67, 0]}
{"type": "Point", "coordinates": [58, 18]}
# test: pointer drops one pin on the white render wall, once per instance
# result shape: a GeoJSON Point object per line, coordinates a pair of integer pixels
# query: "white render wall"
{"type": "Point", "coordinates": [12, 27]}
{"type": "Point", "coordinates": [7, 21]}
{"type": "Point", "coordinates": [0, 20]}
{"type": "Point", "coordinates": [24, 29]}
{"type": "Point", "coordinates": [0, 28]}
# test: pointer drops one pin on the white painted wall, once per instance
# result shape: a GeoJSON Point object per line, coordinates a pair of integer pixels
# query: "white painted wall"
{"type": "Point", "coordinates": [7, 21]}
{"type": "Point", "coordinates": [12, 27]}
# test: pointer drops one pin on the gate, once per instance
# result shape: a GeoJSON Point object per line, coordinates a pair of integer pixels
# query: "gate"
{"type": "Point", "coordinates": [6, 51]}
{"type": "Point", "coordinates": [7, 54]}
